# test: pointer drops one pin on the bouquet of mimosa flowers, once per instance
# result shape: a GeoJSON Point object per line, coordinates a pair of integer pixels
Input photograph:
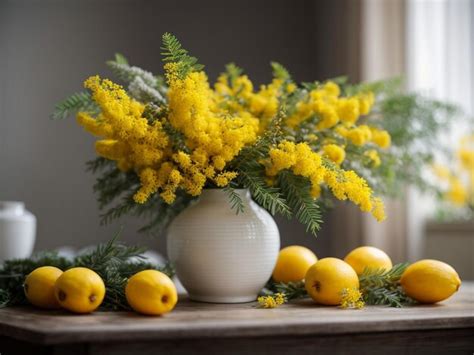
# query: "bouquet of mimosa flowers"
{"type": "Point", "coordinates": [161, 140]}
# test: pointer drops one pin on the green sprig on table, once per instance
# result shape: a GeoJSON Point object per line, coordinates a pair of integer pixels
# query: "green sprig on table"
{"type": "Point", "coordinates": [382, 287]}
{"type": "Point", "coordinates": [113, 261]}
{"type": "Point", "coordinates": [378, 287]}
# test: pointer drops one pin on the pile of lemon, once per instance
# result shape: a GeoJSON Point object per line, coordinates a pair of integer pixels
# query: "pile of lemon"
{"type": "Point", "coordinates": [81, 290]}
{"type": "Point", "coordinates": [426, 281]}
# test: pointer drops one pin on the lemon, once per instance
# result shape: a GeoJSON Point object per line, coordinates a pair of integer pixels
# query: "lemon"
{"type": "Point", "coordinates": [39, 286]}
{"type": "Point", "coordinates": [368, 257]}
{"type": "Point", "coordinates": [79, 290]}
{"type": "Point", "coordinates": [293, 263]}
{"type": "Point", "coordinates": [326, 279]}
{"type": "Point", "coordinates": [151, 292]}
{"type": "Point", "coordinates": [430, 281]}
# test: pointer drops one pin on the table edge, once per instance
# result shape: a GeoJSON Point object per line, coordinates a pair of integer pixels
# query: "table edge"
{"type": "Point", "coordinates": [243, 330]}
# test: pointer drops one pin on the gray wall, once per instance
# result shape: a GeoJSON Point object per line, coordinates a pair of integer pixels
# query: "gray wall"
{"type": "Point", "coordinates": [47, 48]}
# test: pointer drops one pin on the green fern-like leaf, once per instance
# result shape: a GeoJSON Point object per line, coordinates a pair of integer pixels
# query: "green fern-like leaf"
{"type": "Point", "coordinates": [296, 190]}
{"type": "Point", "coordinates": [112, 183]}
{"type": "Point", "coordinates": [142, 85]}
{"type": "Point", "coordinates": [110, 253]}
{"type": "Point", "coordinates": [251, 172]}
{"type": "Point", "coordinates": [98, 164]}
{"type": "Point", "coordinates": [233, 72]}
{"type": "Point", "coordinates": [235, 199]}
{"type": "Point", "coordinates": [271, 137]}
{"type": "Point", "coordinates": [382, 287]}
{"type": "Point", "coordinates": [395, 297]}
{"type": "Point", "coordinates": [308, 86]}
{"type": "Point", "coordinates": [172, 51]}
{"type": "Point", "coordinates": [291, 290]}
{"type": "Point", "coordinates": [381, 277]}
{"type": "Point", "coordinates": [280, 72]}
{"type": "Point", "coordinates": [176, 137]}
{"type": "Point", "coordinates": [120, 59]}
{"type": "Point", "coordinates": [126, 205]}
{"type": "Point", "coordinates": [270, 198]}
{"type": "Point", "coordinates": [81, 101]}
{"type": "Point", "coordinates": [159, 213]}
{"type": "Point", "coordinates": [5, 298]}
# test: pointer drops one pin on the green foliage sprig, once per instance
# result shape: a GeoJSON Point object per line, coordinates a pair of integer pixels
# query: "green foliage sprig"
{"type": "Point", "coordinates": [280, 72]}
{"type": "Point", "coordinates": [378, 287]}
{"type": "Point", "coordinates": [268, 197]}
{"type": "Point", "coordinates": [173, 52]}
{"type": "Point", "coordinates": [296, 190]}
{"type": "Point", "coordinates": [142, 85]}
{"type": "Point", "coordinates": [235, 199]}
{"type": "Point", "coordinates": [233, 71]}
{"type": "Point", "coordinates": [414, 123]}
{"type": "Point", "coordinates": [291, 290]}
{"type": "Point", "coordinates": [382, 287]}
{"type": "Point", "coordinates": [80, 101]}
{"type": "Point", "coordinates": [274, 199]}
{"type": "Point", "coordinates": [113, 261]}
{"type": "Point", "coordinates": [114, 191]}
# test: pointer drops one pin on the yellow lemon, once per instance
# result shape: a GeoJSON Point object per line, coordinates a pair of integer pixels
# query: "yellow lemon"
{"type": "Point", "coordinates": [430, 281]}
{"type": "Point", "coordinates": [368, 257]}
{"type": "Point", "coordinates": [39, 286]}
{"type": "Point", "coordinates": [326, 279]}
{"type": "Point", "coordinates": [79, 290]}
{"type": "Point", "coordinates": [151, 292]}
{"type": "Point", "coordinates": [293, 263]}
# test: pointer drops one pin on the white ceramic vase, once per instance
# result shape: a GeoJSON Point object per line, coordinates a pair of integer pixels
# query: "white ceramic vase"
{"type": "Point", "coordinates": [221, 256]}
{"type": "Point", "coordinates": [17, 231]}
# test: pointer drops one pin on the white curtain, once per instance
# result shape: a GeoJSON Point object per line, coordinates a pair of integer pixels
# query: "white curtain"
{"type": "Point", "coordinates": [439, 63]}
{"type": "Point", "coordinates": [382, 57]}
{"type": "Point", "coordinates": [440, 49]}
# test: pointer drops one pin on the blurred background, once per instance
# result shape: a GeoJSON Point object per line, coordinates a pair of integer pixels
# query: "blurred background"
{"type": "Point", "coordinates": [48, 47]}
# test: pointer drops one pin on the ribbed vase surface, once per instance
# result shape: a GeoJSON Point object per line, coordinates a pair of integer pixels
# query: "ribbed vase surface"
{"type": "Point", "coordinates": [221, 256]}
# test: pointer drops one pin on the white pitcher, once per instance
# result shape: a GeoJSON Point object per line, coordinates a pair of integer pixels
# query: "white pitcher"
{"type": "Point", "coordinates": [17, 231]}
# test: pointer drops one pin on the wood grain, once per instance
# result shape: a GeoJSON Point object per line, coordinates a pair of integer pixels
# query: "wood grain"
{"type": "Point", "coordinates": [192, 320]}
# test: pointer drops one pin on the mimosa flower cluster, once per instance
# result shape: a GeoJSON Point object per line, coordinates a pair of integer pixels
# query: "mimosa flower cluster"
{"type": "Point", "coordinates": [344, 185]}
{"type": "Point", "coordinates": [458, 179]}
{"type": "Point", "coordinates": [164, 139]}
{"type": "Point", "coordinates": [271, 301]}
{"type": "Point", "coordinates": [352, 298]}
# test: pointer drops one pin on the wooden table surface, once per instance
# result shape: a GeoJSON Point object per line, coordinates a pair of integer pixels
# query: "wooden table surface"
{"type": "Point", "coordinates": [207, 326]}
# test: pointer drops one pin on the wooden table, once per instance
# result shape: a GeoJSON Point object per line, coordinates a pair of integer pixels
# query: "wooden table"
{"type": "Point", "coordinates": [297, 327]}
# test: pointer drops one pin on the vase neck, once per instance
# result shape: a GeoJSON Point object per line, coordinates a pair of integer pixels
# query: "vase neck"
{"type": "Point", "coordinates": [219, 195]}
{"type": "Point", "coordinates": [13, 207]}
